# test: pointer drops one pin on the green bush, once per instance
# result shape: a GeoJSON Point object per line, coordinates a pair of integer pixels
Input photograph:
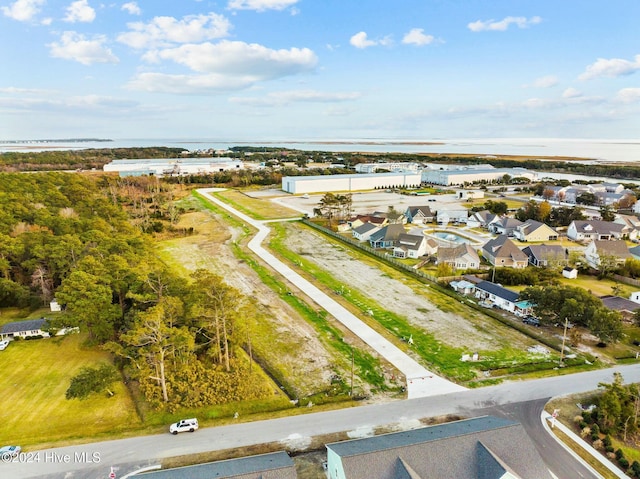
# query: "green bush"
{"type": "Point", "coordinates": [624, 463]}
{"type": "Point", "coordinates": [619, 454]}
{"type": "Point", "coordinates": [635, 469]}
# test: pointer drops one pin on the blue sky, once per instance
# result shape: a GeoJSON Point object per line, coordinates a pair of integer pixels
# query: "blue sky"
{"type": "Point", "coordinates": [319, 69]}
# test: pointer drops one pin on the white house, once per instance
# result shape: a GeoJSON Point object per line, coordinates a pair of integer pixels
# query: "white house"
{"type": "Point", "coordinates": [410, 246]}
{"type": "Point", "coordinates": [594, 230]}
{"type": "Point", "coordinates": [596, 250]}
{"type": "Point", "coordinates": [31, 328]}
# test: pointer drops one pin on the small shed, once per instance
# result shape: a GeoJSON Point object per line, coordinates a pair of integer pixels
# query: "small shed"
{"type": "Point", "coordinates": [569, 272]}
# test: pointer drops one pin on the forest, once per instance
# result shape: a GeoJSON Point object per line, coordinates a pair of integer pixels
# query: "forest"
{"type": "Point", "coordinates": [85, 241]}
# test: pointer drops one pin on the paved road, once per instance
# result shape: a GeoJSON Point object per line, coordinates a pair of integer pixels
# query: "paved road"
{"type": "Point", "coordinates": [420, 381]}
{"type": "Point", "coordinates": [129, 454]}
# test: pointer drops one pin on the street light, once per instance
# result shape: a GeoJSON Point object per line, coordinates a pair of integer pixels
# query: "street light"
{"type": "Point", "coordinates": [564, 338]}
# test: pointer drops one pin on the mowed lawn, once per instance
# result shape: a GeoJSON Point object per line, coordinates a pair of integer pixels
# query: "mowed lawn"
{"type": "Point", "coordinates": [35, 376]}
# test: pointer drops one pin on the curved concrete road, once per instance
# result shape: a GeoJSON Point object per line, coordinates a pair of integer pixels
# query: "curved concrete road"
{"type": "Point", "coordinates": [420, 381]}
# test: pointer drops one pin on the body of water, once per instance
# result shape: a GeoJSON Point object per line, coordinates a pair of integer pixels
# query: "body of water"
{"type": "Point", "coordinates": [623, 151]}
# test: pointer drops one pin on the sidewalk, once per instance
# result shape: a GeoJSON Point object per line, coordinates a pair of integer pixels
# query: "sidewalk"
{"type": "Point", "coordinates": [546, 419]}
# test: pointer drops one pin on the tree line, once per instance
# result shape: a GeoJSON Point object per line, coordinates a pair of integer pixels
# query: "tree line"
{"type": "Point", "coordinates": [70, 237]}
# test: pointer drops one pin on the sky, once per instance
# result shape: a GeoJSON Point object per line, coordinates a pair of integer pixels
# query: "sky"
{"type": "Point", "coordinates": [319, 69]}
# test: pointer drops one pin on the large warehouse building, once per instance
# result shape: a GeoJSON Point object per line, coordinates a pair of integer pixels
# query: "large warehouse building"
{"type": "Point", "coordinates": [173, 166]}
{"type": "Point", "coordinates": [473, 175]}
{"type": "Point", "coordinates": [321, 183]}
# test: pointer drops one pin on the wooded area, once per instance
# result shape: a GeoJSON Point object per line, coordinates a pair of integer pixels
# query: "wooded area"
{"type": "Point", "coordinates": [70, 237]}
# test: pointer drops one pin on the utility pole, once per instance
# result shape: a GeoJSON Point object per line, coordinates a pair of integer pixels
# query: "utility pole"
{"type": "Point", "coordinates": [352, 361]}
{"type": "Point", "coordinates": [564, 338]}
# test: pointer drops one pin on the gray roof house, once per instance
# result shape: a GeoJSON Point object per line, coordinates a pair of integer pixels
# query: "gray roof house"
{"type": "Point", "coordinates": [410, 246]}
{"type": "Point", "coordinates": [387, 236]}
{"type": "Point", "coordinates": [25, 329]}
{"type": "Point", "coordinates": [479, 448]}
{"type": "Point", "coordinates": [364, 231]}
{"type": "Point", "coordinates": [462, 256]}
{"type": "Point", "coordinates": [596, 250]}
{"type": "Point", "coordinates": [276, 465]}
{"type": "Point", "coordinates": [502, 252]}
{"type": "Point", "coordinates": [624, 306]}
{"type": "Point", "coordinates": [581, 230]}
{"type": "Point", "coordinates": [31, 328]}
{"type": "Point", "coordinates": [506, 226]}
{"type": "Point", "coordinates": [501, 297]}
{"type": "Point", "coordinates": [419, 214]}
{"type": "Point", "coordinates": [482, 219]}
{"type": "Point", "coordinates": [542, 254]}
{"type": "Point", "coordinates": [532, 230]}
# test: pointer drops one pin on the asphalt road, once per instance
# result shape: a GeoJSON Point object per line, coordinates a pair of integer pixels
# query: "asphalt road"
{"type": "Point", "coordinates": [126, 455]}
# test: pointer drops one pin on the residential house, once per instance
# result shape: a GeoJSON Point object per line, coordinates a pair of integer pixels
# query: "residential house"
{"type": "Point", "coordinates": [595, 252]}
{"type": "Point", "coordinates": [31, 328]}
{"type": "Point", "coordinates": [359, 220]}
{"type": "Point", "coordinates": [462, 256]}
{"type": "Point", "coordinates": [532, 230]}
{"type": "Point", "coordinates": [364, 231]}
{"type": "Point", "coordinates": [410, 246]}
{"type": "Point", "coordinates": [419, 214]}
{"type": "Point", "coordinates": [482, 219]}
{"type": "Point", "coordinates": [587, 230]}
{"type": "Point", "coordinates": [387, 236]}
{"type": "Point", "coordinates": [485, 447]}
{"type": "Point", "coordinates": [635, 252]}
{"type": "Point", "coordinates": [541, 255]}
{"type": "Point", "coordinates": [625, 307]}
{"type": "Point", "coordinates": [275, 465]}
{"type": "Point", "coordinates": [452, 216]}
{"type": "Point", "coordinates": [505, 226]}
{"type": "Point", "coordinates": [632, 226]}
{"type": "Point", "coordinates": [502, 252]}
{"type": "Point", "coordinates": [463, 287]}
{"type": "Point", "coordinates": [502, 298]}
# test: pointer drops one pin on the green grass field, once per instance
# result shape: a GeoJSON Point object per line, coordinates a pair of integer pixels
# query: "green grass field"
{"type": "Point", "coordinates": [35, 377]}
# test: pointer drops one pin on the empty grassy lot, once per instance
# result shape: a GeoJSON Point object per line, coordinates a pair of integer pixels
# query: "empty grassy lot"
{"type": "Point", "coordinates": [35, 376]}
{"type": "Point", "coordinates": [257, 208]}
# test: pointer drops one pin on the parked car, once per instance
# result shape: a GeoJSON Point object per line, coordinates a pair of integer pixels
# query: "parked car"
{"type": "Point", "coordinates": [531, 320]}
{"type": "Point", "coordinates": [7, 452]}
{"type": "Point", "coordinates": [3, 344]}
{"type": "Point", "coordinates": [185, 425]}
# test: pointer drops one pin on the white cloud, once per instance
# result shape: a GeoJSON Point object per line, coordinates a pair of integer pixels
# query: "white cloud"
{"type": "Point", "coordinates": [611, 68]}
{"type": "Point", "coordinates": [545, 82]}
{"type": "Point", "coordinates": [238, 58]}
{"type": "Point", "coordinates": [167, 31]}
{"type": "Point", "coordinates": [80, 11]}
{"type": "Point", "coordinates": [629, 95]}
{"type": "Point", "coordinates": [223, 66]}
{"type": "Point", "coordinates": [360, 40]}
{"type": "Point", "coordinates": [23, 10]}
{"type": "Point", "coordinates": [260, 5]}
{"type": "Point", "coordinates": [74, 46]}
{"type": "Point", "coordinates": [416, 36]}
{"type": "Point", "coordinates": [132, 8]}
{"type": "Point", "coordinates": [502, 25]}
{"type": "Point", "coordinates": [571, 93]}
{"type": "Point", "coordinates": [296, 96]}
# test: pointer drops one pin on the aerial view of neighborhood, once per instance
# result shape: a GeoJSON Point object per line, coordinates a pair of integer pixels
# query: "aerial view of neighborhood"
{"type": "Point", "coordinates": [292, 239]}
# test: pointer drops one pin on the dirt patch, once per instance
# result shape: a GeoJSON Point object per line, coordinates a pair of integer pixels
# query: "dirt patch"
{"type": "Point", "coordinates": [292, 343]}
{"type": "Point", "coordinates": [405, 298]}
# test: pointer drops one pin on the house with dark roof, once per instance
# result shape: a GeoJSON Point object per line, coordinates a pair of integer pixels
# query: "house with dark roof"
{"type": "Point", "coordinates": [410, 246]}
{"type": "Point", "coordinates": [30, 329]}
{"type": "Point", "coordinates": [581, 230]}
{"type": "Point", "coordinates": [503, 298]}
{"type": "Point", "coordinates": [462, 256]}
{"type": "Point", "coordinates": [543, 255]}
{"type": "Point", "coordinates": [625, 307]}
{"type": "Point", "coordinates": [482, 219]}
{"type": "Point", "coordinates": [502, 252]}
{"type": "Point", "coordinates": [532, 230]}
{"type": "Point", "coordinates": [276, 465]}
{"type": "Point", "coordinates": [505, 226]}
{"type": "Point", "coordinates": [485, 447]}
{"type": "Point", "coordinates": [419, 214]}
{"type": "Point", "coordinates": [387, 236]}
{"type": "Point", "coordinates": [614, 249]}
{"type": "Point", "coordinates": [364, 231]}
